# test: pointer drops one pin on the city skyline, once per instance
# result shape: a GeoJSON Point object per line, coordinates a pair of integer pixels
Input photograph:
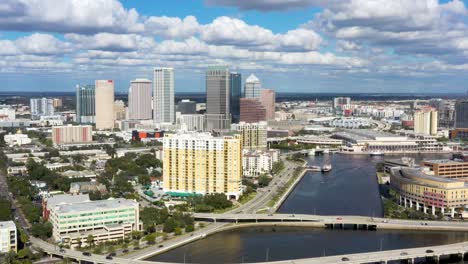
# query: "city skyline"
{"type": "Point", "coordinates": [294, 46]}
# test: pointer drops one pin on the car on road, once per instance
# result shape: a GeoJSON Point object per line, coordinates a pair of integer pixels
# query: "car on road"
{"type": "Point", "coordinates": [125, 251]}
{"type": "Point", "coordinates": [344, 259]}
{"type": "Point", "coordinates": [86, 254]}
{"type": "Point", "coordinates": [112, 254]}
{"type": "Point", "coordinates": [429, 251]}
{"type": "Point", "coordinates": [62, 250]}
{"type": "Point", "coordinates": [339, 218]}
{"type": "Point", "coordinates": [403, 253]}
{"type": "Point", "coordinates": [109, 257]}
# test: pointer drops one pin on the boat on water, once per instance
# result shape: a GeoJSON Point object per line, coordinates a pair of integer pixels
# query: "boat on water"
{"type": "Point", "coordinates": [376, 154]}
{"type": "Point", "coordinates": [326, 168]}
{"type": "Point", "coordinates": [312, 152]}
{"type": "Point", "coordinates": [314, 168]}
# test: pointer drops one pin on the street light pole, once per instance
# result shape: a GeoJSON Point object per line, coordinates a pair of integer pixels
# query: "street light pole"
{"type": "Point", "coordinates": [381, 240]}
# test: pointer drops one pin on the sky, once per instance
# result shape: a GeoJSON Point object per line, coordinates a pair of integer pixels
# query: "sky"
{"type": "Point", "coordinates": [310, 46]}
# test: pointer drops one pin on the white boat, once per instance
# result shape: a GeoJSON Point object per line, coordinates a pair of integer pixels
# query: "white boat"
{"type": "Point", "coordinates": [326, 151]}
{"type": "Point", "coordinates": [312, 152]}
{"type": "Point", "coordinates": [376, 153]}
{"type": "Point", "coordinates": [326, 168]}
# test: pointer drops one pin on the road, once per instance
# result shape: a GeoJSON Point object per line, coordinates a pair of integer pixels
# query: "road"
{"type": "Point", "coordinates": [264, 195]}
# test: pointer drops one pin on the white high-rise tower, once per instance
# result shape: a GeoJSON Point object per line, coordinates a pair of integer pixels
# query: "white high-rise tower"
{"type": "Point", "coordinates": [139, 99]}
{"type": "Point", "coordinates": [163, 95]}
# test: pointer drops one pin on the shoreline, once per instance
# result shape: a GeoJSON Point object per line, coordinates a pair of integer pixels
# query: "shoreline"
{"type": "Point", "coordinates": [286, 194]}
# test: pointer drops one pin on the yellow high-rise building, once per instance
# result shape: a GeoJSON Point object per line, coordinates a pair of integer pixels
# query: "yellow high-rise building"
{"type": "Point", "coordinates": [425, 122]}
{"type": "Point", "coordinates": [202, 164]}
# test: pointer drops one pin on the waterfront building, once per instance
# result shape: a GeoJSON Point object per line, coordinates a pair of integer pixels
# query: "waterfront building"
{"type": "Point", "coordinates": [254, 135]}
{"type": "Point", "coordinates": [256, 163]}
{"type": "Point", "coordinates": [163, 92]}
{"type": "Point", "coordinates": [105, 220]}
{"type": "Point", "coordinates": [423, 192]}
{"type": "Point", "coordinates": [104, 94]}
{"type": "Point", "coordinates": [252, 110]}
{"type": "Point", "coordinates": [425, 121]}
{"type": "Point", "coordinates": [72, 134]}
{"type": "Point", "coordinates": [252, 87]}
{"type": "Point", "coordinates": [186, 107]}
{"type": "Point", "coordinates": [41, 106]}
{"type": "Point", "coordinates": [198, 163]}
{"type": "Point", "coordinates": [193, 122]}
{"type": "Point", "coordinates": [50, 201]}
{"type": "Point", "coordinates": [236, 94]}
{"type": "Point", "coordinates": [461, 114]}
{"type": "Point", "coordinates": [8, 237]}
{"type": "Point", "coordinates": [448, 168]}
{"type": "Point", "coordinates": [85, 104]}
{"type": "Point", "coordinates": [120, 112]}
{"type": "Point", "coordinates": [140, 100]}
{"type": "Point", "coordinates": [268, 99]}
{"type": "Point", "coordinates": [368, 141]}
{"type": "Point", "coordinates": [17, 139]}
{"type": "Point", "coordinates": [218, 98]}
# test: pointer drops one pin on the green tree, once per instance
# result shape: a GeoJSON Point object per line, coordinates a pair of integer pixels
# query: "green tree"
{"type": "Point", "coordinates": [151, 238]}
{"type": "Point", "coordinates": [79, 242]}
{"type": "Point", "coordinates": [177, 231]}
{"type": "Point", "coordinates": [263, 180]}
{"type": "Point", "coordinates": [5, 210]}
{"type": "Point", "coordinates": [189, 228]}
{"type": "Point", "coordinates": [169, 225]}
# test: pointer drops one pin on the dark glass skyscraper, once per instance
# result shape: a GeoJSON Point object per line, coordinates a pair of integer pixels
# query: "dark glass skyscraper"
{"type": "Point", "coordinates": [461, 114]}
{"type": "Point", "coordinates": [85, 104]}
{"type": "Point", "coordinates": [236, 94]}
{"type": "Point", "coordinates": [218, 98]}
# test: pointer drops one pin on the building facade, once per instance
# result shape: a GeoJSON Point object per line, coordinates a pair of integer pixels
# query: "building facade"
{"type": "Point", "coordinates": [193, 122]}
{"type": "Point", "coordinates": [268, 99]}
{"type": "Point", "coordinates": [256, 163]}
{"type": "Point", "coordinates": [139, 100]}
{"type": "Point", "coordinates": [341, 101]}
{"type": "Point", "coordinates": [41, 107]}
{"type": "Point", "coordinates": [446, 114]}
{"type": "Point", "coordinates": [72, 134]}
{"type": "Point", "coordinates": [17, 139]}
{"type": "Point", "coordinates": [461, 114]}
{"type": "Point", "coordinates": [448, 168]}
{"type": "Point", "coordinates": [252, 110]}
{"type": "Point", "coordinates": [218, 98]}
{"type": "Point", "coordinates": [163, 92]}
{"type": "Point", "coordinates": [236, 94]}
{"type": "Point", "coordinates": [85, 104]}
{"type": "Point", "coordinates": [252, 87]}
{"type": "Point", "coordinates": [423, 192]}
{"type": "Point", "coordinates": [186, 107]}
{"type": "Point", "coordinates": [105, 220]}
{"type": "Point", "coordinates": [425, 122]}
{"type": "Point", "coordinates": [104, 94]}
{"type": "Point", "coordinates": [254, 135]}
{"type": "Point", "coordinates": [198, 163]}
{"type": "Point", "coordinates": [8, 237]}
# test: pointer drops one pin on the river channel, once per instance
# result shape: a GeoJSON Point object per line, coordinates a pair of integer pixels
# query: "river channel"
{"type": "Point", "coordinates": [349, 189]}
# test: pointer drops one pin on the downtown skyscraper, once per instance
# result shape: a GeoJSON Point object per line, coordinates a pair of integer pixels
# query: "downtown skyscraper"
{"type": "Point", "coordinates": [252, 87]}
{"type": "Point", "coordinates": [85, 104]}
{"type": "Point", "coordinates": [218, 98]}
{"type": "Point", "coordinates": [104, 104]}
{"type": "Point", "coordinates": [236, 94]}
{"type": "Point", "coordinates": [163, 95]}
{"type": "Point", "coordinates": [139, 100]}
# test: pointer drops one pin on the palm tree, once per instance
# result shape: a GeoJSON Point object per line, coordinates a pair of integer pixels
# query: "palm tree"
{"type": "Point", "coordinates": [78, 240]}
{"type": "Point", "coordinates": [90, 240]}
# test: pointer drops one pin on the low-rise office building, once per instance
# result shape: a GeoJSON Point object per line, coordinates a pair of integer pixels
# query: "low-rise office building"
{"type": "Point", "coordinates": [104, 220]}
{"type": "Point", "coordinates": [72, 134]}
{"type": "Point", "coordinates": [421, 191]}
{"type": "Point", "coordinates": [17, 139]}
{"type": "Point", "coordinates": [8, 237]}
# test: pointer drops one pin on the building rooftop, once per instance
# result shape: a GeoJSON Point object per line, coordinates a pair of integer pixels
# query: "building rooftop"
{"type": "Point", "coordinates": [96, 205]}
{"type": "Point", "coordinates": [59, 199]}
{"type": "Point", "coordinates": [7, 224]}
{"type": "Point", "coordinates": [446, 161]}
